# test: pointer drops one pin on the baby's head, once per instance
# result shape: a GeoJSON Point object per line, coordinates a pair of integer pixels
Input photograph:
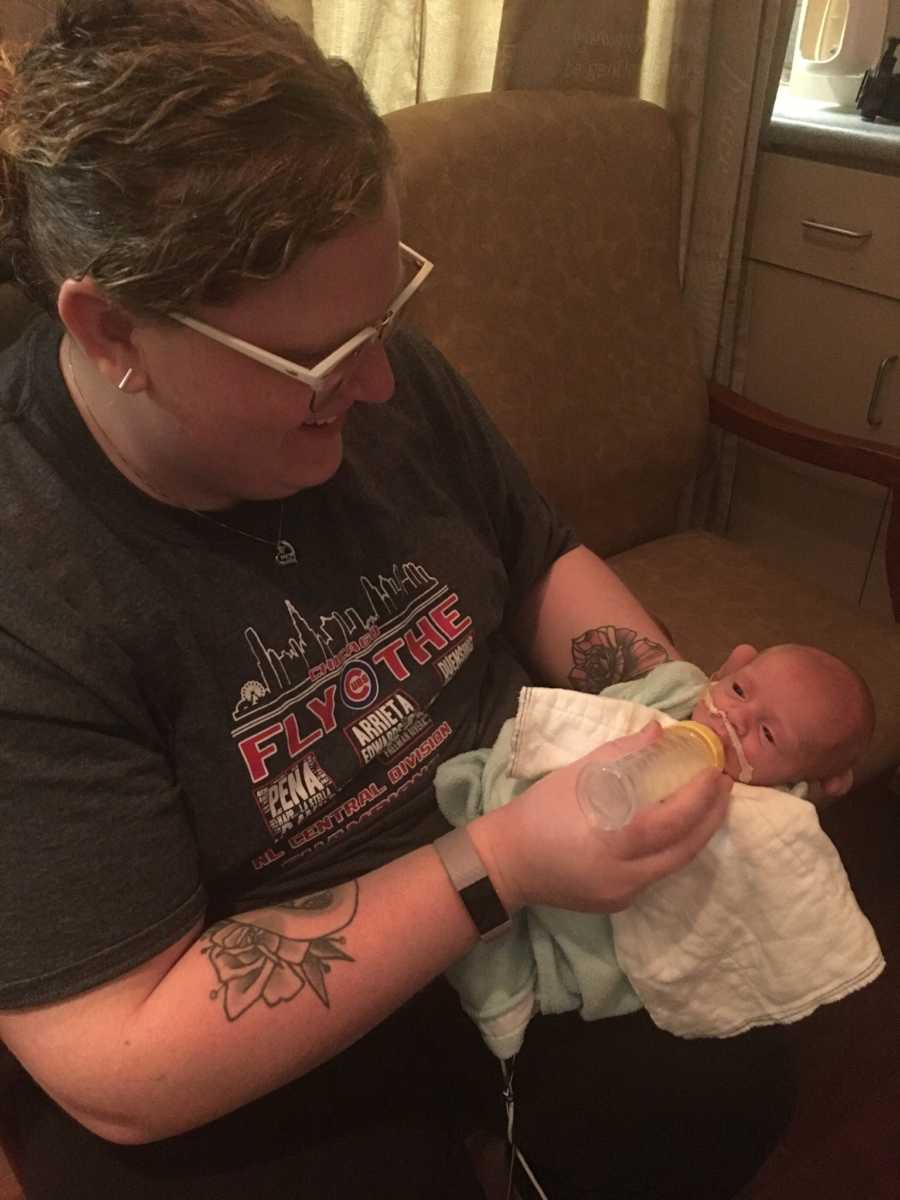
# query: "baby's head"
{"type": "Point", "coordinates": [796, 713]}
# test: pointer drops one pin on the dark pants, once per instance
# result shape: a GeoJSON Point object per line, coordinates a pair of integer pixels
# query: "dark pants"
{"type": "Point", "coordinates": [613, 1109]}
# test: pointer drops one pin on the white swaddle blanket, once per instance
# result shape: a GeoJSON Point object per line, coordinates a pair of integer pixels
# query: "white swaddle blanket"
{"type": "Point", "coordinates": [761, 927]}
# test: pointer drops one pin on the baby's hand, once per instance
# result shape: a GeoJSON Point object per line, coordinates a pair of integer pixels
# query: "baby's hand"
{"type": "Point", "coordinates": [823, 792]}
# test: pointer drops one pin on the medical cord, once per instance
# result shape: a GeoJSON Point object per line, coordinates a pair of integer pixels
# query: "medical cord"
{"type": "Point", "coordinates": [508, 1069]}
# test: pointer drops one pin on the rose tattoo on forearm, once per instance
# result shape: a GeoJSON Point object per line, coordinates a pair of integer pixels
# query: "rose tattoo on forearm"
{"type": "Point", "coordinates": [608, 655]}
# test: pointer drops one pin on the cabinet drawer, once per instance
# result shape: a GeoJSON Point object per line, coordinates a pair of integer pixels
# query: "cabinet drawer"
{"type": "Point", "coordinates": [815, 349]}
{"type": "Point", "coordinates": [793, 190]}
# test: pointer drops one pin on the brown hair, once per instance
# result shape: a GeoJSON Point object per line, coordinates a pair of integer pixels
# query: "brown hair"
{"type": "Point", "coordinates": [175, 149]}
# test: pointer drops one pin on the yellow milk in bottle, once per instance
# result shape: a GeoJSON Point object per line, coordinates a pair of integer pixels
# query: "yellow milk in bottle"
{"type": "Point", "coordinates": [611, 793]}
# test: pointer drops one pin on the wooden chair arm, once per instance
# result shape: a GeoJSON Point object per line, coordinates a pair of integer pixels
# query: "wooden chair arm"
{"type": "Point", "coordinates": [835, 451]}
{"type": "Point", "coordinates": [808, 443]}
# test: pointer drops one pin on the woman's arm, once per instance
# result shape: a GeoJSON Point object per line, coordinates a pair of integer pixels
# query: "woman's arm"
{"type": "Point", "coordinates": [580, 627]}
{"type": "Point", "coordinates": [229, 1014]}
{"type": "Point", "coordinates": [225, 1016]}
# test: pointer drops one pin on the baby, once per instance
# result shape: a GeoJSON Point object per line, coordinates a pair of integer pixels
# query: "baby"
{"type": "Point", "coordinates": [790, 716]}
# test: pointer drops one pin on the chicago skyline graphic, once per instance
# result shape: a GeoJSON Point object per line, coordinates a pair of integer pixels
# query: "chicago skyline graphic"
{"type": "Point", "coordinates": [386, 603]}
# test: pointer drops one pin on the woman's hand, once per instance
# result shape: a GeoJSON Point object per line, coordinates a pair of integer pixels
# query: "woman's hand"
{"type": "Point", "coordinates": [542, 848]}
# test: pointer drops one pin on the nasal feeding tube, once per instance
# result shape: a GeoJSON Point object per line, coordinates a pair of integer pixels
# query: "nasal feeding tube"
{"type": "Point", "coordinates": [611, 793]}
{"type": "Point", "coordinates": [746, 771]}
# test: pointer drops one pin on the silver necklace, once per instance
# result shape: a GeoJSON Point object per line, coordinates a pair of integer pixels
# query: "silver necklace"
{"type": "Point", "coordinates": [285, 554]}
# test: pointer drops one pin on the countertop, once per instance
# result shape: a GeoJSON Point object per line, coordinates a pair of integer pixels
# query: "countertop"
{"type": "Point", "coordinates": [815, 129]}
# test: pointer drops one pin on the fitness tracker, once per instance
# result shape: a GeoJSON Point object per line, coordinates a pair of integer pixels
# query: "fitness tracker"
{"type": "Point", "coordinates": [468, 875]}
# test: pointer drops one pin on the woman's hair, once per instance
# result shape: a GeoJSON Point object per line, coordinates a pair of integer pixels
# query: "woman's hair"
{"type": "Point", "coordinates": [175, 149]}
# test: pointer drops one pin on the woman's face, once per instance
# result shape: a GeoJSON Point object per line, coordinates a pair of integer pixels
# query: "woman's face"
{"type": "Point", "coordinates": [242, 431]}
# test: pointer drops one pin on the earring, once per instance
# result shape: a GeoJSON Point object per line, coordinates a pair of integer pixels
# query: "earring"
{"type": "Point", "coordinates": [124, 380]}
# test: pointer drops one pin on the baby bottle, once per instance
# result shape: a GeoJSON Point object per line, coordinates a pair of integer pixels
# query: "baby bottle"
{"type": "Point", "coordinates": [611, 793]}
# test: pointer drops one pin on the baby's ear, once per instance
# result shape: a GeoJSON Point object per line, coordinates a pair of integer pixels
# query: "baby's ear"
{"type": "Point", "coordinates": [739, 657]}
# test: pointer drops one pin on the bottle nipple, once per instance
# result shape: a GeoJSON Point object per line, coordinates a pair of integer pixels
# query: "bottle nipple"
{"type": "Point", "coordinates": [611, 793]}
{"type": "Point", "coordinates": [709, 737]}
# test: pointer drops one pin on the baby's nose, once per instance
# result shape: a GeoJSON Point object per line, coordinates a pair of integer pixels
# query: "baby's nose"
{"type": "Point", "coordinates": [735, 710]}
{"type": "Point", "coordinates": [738, 718]}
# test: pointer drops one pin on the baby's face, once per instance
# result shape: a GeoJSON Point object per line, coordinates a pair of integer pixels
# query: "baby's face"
{"type": "Point", "coordinates": [775, 714]}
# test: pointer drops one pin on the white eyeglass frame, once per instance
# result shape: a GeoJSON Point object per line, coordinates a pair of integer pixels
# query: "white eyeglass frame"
{"type": "Point", "coordinates": [317, 376]}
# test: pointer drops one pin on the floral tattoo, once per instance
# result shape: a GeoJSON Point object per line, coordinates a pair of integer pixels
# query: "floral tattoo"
{"type": "Point", "coordinates": [611, 655]}
{"type": "Point", "coordinates": [282, 949]}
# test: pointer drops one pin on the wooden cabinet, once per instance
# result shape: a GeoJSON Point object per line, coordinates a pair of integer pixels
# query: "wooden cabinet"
{"type": "Point", "coordinates": [799, 203]}
{"type": "Point", "coordinates": [823, 311]}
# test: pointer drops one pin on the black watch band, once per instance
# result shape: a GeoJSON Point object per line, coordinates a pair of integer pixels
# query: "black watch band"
{"type": "Point", "coordinates": [468, 875]}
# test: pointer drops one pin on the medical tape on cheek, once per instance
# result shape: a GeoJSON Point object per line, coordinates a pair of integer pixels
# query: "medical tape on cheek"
{"type": "Point", "coordinates": [746, 772]}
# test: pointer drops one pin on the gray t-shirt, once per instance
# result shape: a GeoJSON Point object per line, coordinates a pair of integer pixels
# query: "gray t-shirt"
{"type": "Point", "coordinates": [188, 728]}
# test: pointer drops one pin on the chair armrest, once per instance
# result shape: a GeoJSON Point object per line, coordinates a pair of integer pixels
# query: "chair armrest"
{"type": "Point", "coordinates": [835, 451]}
{"type": "Point", "coordinates": [808, 443]}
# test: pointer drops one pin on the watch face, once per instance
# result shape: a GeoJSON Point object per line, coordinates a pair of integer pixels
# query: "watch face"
{"type": "Point", "coordinates": [484, 907]}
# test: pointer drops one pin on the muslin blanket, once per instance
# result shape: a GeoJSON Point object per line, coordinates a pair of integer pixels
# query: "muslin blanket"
{"type": "Point", "coordinates": [761, 927]}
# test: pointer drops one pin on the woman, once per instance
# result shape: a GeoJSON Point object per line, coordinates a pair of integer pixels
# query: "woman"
{"type": "Point", "coordinates": [263, 569]}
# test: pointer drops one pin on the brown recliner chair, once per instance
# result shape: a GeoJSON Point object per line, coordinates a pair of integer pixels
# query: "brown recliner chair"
{"type": "Point", "coordinates": [552, 218]}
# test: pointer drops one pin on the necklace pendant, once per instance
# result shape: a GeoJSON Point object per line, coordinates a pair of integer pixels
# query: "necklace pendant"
{"type": "Point", "coordinates": [285, 554]}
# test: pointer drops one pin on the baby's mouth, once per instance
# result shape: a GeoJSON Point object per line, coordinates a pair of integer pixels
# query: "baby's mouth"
{"type": "Point", "coordinates": [746, 771]}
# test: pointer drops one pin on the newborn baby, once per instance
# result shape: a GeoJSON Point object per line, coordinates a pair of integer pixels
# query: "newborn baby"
{"type": "Point", "coordinates": [788, 714]}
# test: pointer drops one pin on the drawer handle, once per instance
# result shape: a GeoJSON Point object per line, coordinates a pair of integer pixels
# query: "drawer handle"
{"type": "Point", "coordinates": [873, 413]}
{"type": "Point", "coordinates": [856, 234]}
